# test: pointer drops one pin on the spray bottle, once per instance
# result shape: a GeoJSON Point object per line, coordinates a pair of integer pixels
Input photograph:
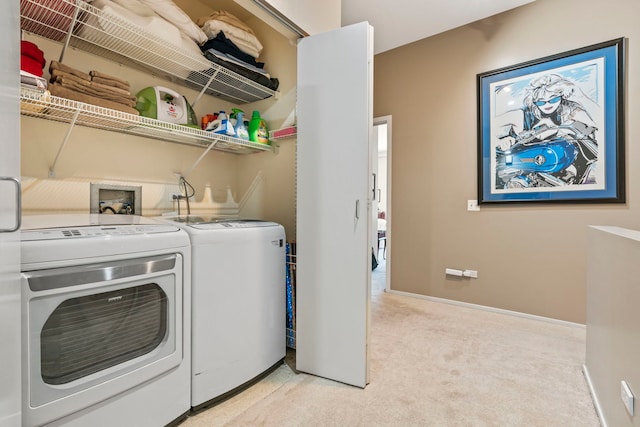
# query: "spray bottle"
{"type": "Point", "coordinates": [240, 126]}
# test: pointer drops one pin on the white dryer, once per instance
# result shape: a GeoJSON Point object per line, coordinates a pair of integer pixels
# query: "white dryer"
{"type": "Point", "coordinates": [106, 332]}
{"type": "Point", "coordinates": [238, 310]}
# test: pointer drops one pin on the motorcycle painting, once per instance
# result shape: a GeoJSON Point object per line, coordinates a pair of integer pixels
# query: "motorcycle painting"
{"type": "Point", "coordinates": [553, 162]}
{"type": "Point", "coordinates": [550, 130]}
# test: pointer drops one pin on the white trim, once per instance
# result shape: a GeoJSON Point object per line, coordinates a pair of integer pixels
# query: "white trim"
{"type": "Point", "coordinates": [388, 214]}
{"type": "Point", "coordinates": [594, 396]}
{"type": "Point", "coordinates": [274, 18]}
{"type": "Point", "coordinates": [492, 309]}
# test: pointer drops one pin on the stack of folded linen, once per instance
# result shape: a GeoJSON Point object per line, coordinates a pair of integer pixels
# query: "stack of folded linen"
{"type": "Point", "coordinates": [238, 38]}
{"type": "Point", "coordinates": [93, 88]}
{"type": "Point", "coordinates": [31, 58]}
{"type": "Point", "coordinates": [233, 44]}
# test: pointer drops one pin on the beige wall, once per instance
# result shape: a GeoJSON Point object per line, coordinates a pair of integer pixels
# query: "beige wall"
{"type": "Point", "coordinates": [613, 320]}
{"type": "Point", "coordinates": [530, 258]}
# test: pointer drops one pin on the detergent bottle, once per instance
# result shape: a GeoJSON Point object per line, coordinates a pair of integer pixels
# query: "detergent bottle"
{"type": "Point", "coordinates": [214, 123]}
{"type": "Point", "coordinates": [258, 131]}
{"type": "Point", "coordinates": [225, 128]}
{"type": "Point", "coordinates": [240, 127]}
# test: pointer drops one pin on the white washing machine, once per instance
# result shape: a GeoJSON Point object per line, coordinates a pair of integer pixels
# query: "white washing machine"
{"type": "Point", "coordinates": [238, 310]}
{"type": "Point", "coordinates": [106, 336]}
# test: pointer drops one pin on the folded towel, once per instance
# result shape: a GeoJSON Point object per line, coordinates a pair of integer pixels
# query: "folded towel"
{"type": "Point", "coordinates": [246, 42]}
{"type": "Point", "coordinates": [109, 80]}
{"type": "Point", "coordinates": [224, 16]}
{"type": "Point", "coordinates": [93, 91]}
{"type": "Point", "coordinates": [55, 65]}
{"type": "Point", "coordinates": [32, 51]}
{"type": "Point", "coordinates": [63, 92]}
{"type": "Point", "coordinates": [92, 84]}
{"type": "Point", "coordinates": [30, 65]}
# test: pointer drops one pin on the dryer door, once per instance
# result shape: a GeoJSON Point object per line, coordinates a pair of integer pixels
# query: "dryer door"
{"type": "Point", "coordinates": [96, 330]}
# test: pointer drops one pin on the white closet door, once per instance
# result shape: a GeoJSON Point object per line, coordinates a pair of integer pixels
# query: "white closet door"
{"type": "Point", "coordinates": [335, 121]}
{"type": "Point", "coordinates": [9, 216]}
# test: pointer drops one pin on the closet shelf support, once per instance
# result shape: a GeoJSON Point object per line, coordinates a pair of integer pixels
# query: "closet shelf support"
{"type": "Point", "coordinates": [199, 159]}
{"type": "Point", "coordinates": [52, 170]}
{"type": "Point", "coordinates": [204, 88]}
{"type": "Point", "coordinates": [72, 25]}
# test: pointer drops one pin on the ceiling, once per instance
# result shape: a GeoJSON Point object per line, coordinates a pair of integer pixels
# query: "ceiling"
{"type": "Point", "coordinates": [399, 22]}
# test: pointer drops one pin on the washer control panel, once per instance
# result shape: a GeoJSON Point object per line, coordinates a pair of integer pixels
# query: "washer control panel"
{"type": "Point", "coordinates": [239, 223]}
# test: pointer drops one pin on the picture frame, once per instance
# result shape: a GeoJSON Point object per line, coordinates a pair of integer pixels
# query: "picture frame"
{"type": "Point", "coordinates": [552, 129]}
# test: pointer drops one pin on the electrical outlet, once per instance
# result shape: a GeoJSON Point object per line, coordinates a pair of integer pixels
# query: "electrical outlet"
{"type": "Point", "coordinates": [452, 272]}
{"type": "Point", "coordinates": [627, 397]}
{"type": "Point", "coordinates": [472, 205]}
{"type": "Point", "coordinates": [174, 195]}
{"type": "Point", "coordinates": [470, 273]}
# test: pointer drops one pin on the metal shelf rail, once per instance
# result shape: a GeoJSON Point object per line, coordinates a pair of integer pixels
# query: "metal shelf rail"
{"type": "Point", "coordinates": [40, 104]}
{"type": "Point", "coordinates": [78, 24]}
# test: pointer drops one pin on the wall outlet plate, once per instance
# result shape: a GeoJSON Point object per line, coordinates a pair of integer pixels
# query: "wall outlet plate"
{"type": "Point", "coordinates": [472, 205]}
{"type": "Point", "coordinates": [627, 397]}
{"type": "Point", "coordinates": [174, 196]}
{"type": "Point", "coordinates": [452, 272]}
{"type": "Point", "coordinates": [470, 273]}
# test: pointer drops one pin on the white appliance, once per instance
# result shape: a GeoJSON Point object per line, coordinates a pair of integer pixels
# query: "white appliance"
{"type": "Point", "coordinates": [238, 310]}
{"type": "Point", "coordinates": [105, 330]}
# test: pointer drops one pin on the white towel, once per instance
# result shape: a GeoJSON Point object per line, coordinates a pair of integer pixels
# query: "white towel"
{"type": "Point", "coordinates": [248, 43]}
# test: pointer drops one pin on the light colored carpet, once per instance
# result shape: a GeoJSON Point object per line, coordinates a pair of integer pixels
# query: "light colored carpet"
{"type": "Point", "coordinates": [433, 364]}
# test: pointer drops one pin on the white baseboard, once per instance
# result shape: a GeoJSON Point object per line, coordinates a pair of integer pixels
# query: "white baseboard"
{"type": "Point", "coordinates": [594, 396]}
{"type": "Point", "coordinates": [487, 308]}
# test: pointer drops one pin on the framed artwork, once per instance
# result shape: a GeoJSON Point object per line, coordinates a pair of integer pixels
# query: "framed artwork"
{"type": "Point", "coordinates": [552, 129]}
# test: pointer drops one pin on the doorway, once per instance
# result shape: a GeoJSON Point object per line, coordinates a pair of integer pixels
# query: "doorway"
{"type": "Point", "coordinates": [380, 276]}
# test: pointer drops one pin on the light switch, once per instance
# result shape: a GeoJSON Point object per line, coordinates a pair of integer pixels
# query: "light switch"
{"type": "Point", "coordinates": [627, 397]}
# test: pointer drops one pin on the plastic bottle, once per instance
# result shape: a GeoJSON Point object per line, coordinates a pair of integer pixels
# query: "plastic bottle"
{"type": "Point", "coordinates": [213, 125]}
{"type": "Point", "coordinates": [241, 128]}
{"type": "Point", "coordinates": [206, 119]}
{"type": "Point", "coordinates": [226, 127]}
{"type": "Point", "coordinates": [258, 131]}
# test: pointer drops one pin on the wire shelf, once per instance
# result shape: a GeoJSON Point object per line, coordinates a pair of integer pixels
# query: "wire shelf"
{"type": "Point", "coordinates": [85, 27]}
{"type": "Point", "coordinates": [36, 103]}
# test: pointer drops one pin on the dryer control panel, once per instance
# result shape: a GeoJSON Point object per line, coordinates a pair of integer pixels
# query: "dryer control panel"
{"type": "Point", "coordinates": [94, 231]}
